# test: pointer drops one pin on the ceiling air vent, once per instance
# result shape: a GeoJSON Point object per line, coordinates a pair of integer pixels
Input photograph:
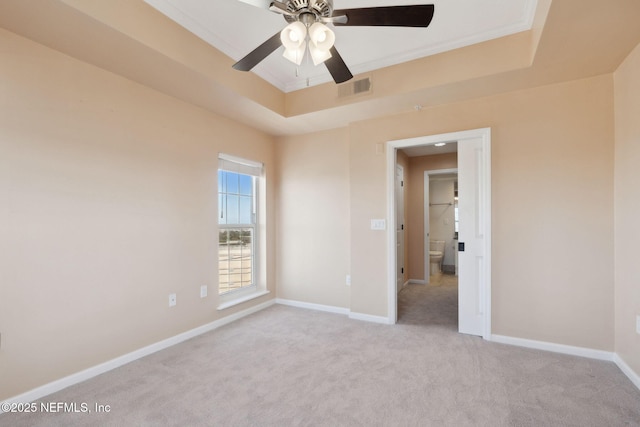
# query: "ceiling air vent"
{"type": "Point", "coordinates": [355, 87]}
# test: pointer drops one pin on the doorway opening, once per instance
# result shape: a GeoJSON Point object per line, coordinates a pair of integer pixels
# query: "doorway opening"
{"type": "Point", "coordinates": [430, 297]}
{"type": "Point", "coordinates": [474, 169]}
{"type": "Point", "coordinates": [440, 220]}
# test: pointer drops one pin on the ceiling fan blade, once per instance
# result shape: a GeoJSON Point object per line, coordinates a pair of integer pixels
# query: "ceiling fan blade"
{"type": "Point", "coordinates": [259, 53]}
{"type": "Point", "coordinates": [419, 15]}
{"type": "Point", "coordinates": [336, 66]}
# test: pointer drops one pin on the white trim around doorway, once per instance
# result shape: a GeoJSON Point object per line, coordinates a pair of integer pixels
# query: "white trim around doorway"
{"type": "Point", "coordinates": [391, 154]}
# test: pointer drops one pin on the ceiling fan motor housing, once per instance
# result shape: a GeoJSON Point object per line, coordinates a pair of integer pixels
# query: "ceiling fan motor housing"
{"type": "Point", "coordinates": [319, 8]}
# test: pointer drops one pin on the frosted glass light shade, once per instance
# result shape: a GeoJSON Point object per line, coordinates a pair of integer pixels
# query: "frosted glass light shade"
{"type": "Point", "coordinates": [321, 40]}
{"type": "Point", "coordinates": [318, 55]}
{"type": "Point", "coordinates": [295, 55]}
{"type": "Point", "coordinates": [293, 39]}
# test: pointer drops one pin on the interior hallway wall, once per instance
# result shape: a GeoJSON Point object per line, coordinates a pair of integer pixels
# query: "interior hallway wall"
{"type": "Point", "coordinates": [107, 205]}
{"type": "Point", "coordinates": [552, 207]}
{"type": "Point", "coordinates": [627, 209]}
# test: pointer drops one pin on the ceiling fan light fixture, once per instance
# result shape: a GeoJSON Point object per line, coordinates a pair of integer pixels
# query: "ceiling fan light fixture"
{"type": "Point", "coordinates": [321, 40]}
{"type": "Point", "coordinates": [293, 39]}
{"type": "Point", "coordinates": [295, 55]}
{"type": "Point", "coordinates": [318, 55]}
{"type": "Point", "coordinates": [311, 14]}
{"type": "Point", "coordinates": [321, 35]}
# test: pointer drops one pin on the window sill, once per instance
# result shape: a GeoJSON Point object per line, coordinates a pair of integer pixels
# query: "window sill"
{"type": "Point", "coordinates": [244, 298]}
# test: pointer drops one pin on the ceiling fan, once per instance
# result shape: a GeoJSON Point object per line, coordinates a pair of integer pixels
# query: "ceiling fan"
{"type": "Point", "coordinates": [307, 29]}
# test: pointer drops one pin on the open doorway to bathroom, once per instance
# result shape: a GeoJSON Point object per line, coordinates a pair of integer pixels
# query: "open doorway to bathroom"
{"type": "Point", "coordinates": [474, 246]}
{"type": "Point", "coordinates": [430, 292]}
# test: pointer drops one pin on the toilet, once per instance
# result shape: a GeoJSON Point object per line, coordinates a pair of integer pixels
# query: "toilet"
{"type": "Point", "coordinates": [436, 254]}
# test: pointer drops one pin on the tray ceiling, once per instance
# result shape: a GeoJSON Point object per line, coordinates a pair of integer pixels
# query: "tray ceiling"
{"type": "Point", "coordinates": [236, 27]}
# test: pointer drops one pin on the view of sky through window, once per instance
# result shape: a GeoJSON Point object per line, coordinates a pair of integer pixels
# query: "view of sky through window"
{"type": "Point", "coordinates": [235, 198]}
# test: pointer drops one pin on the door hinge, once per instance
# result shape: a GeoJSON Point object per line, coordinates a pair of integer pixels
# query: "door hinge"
{"type": "Point", "coordinates": [402, 270]}
{"type": "Point", "coordinates": [402, 227]}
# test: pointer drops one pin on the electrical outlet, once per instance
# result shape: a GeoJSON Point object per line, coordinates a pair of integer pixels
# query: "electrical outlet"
{"type": "Point", "coordinates": [203, 291]}
{"type": "Point", "coordinates": [172, 300]}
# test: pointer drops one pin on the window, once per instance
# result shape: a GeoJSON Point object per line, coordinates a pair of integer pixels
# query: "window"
{"type": "Point", "coordinates": [237, 219]}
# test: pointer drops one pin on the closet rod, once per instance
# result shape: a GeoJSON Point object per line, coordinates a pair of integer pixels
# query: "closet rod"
{"type": "Point", "coordinates": [438, 204]}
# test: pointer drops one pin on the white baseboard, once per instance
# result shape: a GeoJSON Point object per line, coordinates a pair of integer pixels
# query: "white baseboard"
{"type": "Point", "coordinates": [404, 285]}
{"type": "Point", "coordinates": [630, 373]}
{"type": "Point", "coordinates": [411, 282]}
{"type": "Point", "coordinates": [369, 318]}
{"type": "Point", "coordinates": [86, 374]}
{"type": "Point", "coordinates": [556, 348]}
{"type": "Point", "coordinates": [573, 351]}
{"type": "Point", "coordinates": [311, 306]}
{"type": "Point", "coordinates": [333, 309]}
{"type": "Point", "coordinates": [78, 377]}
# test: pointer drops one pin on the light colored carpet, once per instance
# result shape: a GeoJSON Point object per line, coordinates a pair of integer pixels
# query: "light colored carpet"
{"type": "Point", "coordinates": [292, 367]}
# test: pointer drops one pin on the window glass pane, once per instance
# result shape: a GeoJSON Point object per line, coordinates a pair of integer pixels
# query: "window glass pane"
{"type": "Point", "coordinates": [246, 210]}
{"type": "Point", "coordinates": [235, 262]}
{"type": "Point", "coordinates": [233, 209]}
{"type": "Point", "coordinates": [246, 185]}
{"type": "Point", "coordinates": [232, 182]}
{"type": "Point", "coordinates": [223, 262]}
{"type": "Point", "coordinates": [222, 215]}
{"type": "Point", "coordinates": [221, 180]}
{"type": "Point", "coordinates": [236, 196]}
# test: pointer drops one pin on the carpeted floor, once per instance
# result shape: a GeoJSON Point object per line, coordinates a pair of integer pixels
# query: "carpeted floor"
{"type": "Point", "coordinates": [292, 367]}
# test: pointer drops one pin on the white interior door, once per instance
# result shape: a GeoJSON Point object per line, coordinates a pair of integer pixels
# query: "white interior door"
{"type": "Point", "coordinates": [474, 177]}
{"type": "Point", "coordinates": [471, 235]}
{"type": "Point", "coordinates": [399, 227]}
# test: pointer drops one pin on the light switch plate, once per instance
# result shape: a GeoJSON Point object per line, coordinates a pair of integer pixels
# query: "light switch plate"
{"type": "Point", "coordinates": [172, 300]}
{"type": "Point", "coordinates": [203, 291]}
{"type": "Point", "coordinates": [378, 224]}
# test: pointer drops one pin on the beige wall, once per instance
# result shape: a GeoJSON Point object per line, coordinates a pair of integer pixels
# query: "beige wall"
{"type": "Point", "coordinates": [367, 166]}
{"type": "Point", "coordinates": [313, 218]}
{"type": "Point", "coordinates": [552, 187]}
{"type": "Point", "coordinates": [107, 205]}
{"type": "Point", "coordinates": [417, 167]}
{"type": "Point", "coordinates": [627, 209]}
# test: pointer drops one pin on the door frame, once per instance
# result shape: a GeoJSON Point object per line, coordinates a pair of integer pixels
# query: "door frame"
{"type": "Point", "coordinates": [485, 215]}
{"type": "Point", "coordinates": [399, 186]}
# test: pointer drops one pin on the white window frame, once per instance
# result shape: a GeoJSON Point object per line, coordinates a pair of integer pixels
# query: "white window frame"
{"type": "Point", "coordinates": [257, 288]}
